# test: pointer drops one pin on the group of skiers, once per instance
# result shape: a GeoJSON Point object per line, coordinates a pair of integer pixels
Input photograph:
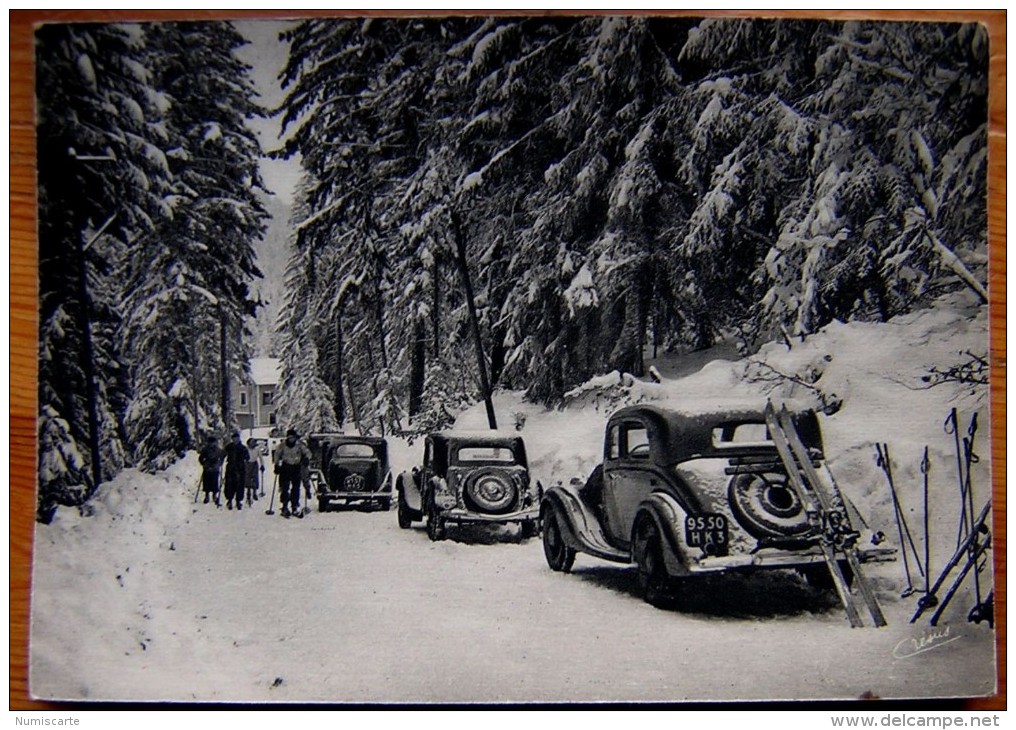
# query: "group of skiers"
{"type": "Point", "coordinates": [243, 479]}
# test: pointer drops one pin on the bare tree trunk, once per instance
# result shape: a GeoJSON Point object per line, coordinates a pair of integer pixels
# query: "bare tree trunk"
{"type": "Point", "coordinates": [224, 367]}
{"type": "Point", "coordinates": [361, 427]}
{"type": "Point", "coordinates": [88, 365]}
{"type": "Point", "coordinates": [417, 372]}
{"type": "Point", "coordinates": [481, 361]}
{"type": "Point", "coordinates": [196, 441]}
{"type": "Point", "coordinates": [373, 377]}
{"type": "Point", "coordinates": [436, 309]}
{"type": "Point", "coordinates": [340, 403]}
{"type": "Point", "coordinates": [382, 341]}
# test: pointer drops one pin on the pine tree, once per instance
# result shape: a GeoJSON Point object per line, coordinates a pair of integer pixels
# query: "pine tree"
{"type": "Point", "coordinates": [102, 177]}
{"type": "Point", "coordinates": [606, 183]}
{"type": "Point", "coordinates": [189, 284]}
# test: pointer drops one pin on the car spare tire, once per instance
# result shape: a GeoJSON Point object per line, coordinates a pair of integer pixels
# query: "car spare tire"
{"type": "Point", "coordinates": [491, 491]}
{"type": "Point", "coordinates": [766, 506]}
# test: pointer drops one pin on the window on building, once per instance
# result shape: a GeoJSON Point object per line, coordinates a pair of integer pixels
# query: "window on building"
{"type": "Point", "coordinates": [267, 397]}
{"type": "Point", "coordinates": [243, 398]}
{"type": "Point", "coordinates": [271, 419]}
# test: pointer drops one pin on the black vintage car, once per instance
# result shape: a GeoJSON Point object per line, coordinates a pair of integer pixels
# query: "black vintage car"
{"type": "Point", "coordinates": [470, 478]}
{"type": "Point", "coordinates": [349, 470]}
{"type": "Point", "coordinates": [683, 494]}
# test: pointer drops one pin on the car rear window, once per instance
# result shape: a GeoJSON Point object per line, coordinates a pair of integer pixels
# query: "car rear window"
{"type": "Point", "coordinates": [497, 454]}
{"type": "Point", "coordinates": [354, 451]}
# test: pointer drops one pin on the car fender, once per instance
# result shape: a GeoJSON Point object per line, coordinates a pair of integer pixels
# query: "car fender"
{"type": "Point", "coordinates": [669, 516]}
{"type": "Point", "coordinates": [406, 484]}
{"type": "Point", "coordinates": [580, 527]}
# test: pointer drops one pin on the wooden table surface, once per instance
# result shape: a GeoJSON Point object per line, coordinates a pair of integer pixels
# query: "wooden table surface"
{"type": "Point", "coordinates": [24, 301]}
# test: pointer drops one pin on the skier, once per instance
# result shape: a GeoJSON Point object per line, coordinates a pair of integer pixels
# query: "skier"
{"type": "Point", "coordinates": [236, 471]}
{"type": "Point", "coordinates": [255, 470]}
{"type": "Point", "coordinates": [291, 458]}
{"type": "Point", "coordinates": [210, 459]}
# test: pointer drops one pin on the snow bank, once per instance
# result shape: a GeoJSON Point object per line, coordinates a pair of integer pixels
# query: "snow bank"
{"type": "Point", "coordinates": [868, 376]}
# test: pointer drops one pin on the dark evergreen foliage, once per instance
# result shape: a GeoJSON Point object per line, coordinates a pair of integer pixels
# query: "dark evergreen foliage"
{"type": "Point", "coordinates": [148, 209]}
{"type": "Point", "coordinates": [621, 182]}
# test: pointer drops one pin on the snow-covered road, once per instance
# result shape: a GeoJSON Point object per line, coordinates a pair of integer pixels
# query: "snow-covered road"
{"type": "Point", "coordinates": [154, 597]}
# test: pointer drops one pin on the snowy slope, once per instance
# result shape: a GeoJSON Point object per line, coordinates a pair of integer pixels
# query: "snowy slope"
{"type": "Point", "coordinates": [150, 596]}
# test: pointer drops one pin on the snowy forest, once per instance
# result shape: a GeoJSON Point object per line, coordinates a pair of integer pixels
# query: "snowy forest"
{"type": "Point", "coordinates": [515, 203]}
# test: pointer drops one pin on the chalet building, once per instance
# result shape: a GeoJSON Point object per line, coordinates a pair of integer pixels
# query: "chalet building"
{"type": "Point", "coordinates": [254, 400]}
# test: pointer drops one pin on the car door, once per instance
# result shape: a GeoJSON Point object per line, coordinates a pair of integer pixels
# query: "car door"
{"type": "Point", "coordinates": [628, 477]}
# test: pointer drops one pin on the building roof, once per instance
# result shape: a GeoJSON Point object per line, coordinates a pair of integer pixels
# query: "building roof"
{"type": "Point", "coordinates": [265, 370]}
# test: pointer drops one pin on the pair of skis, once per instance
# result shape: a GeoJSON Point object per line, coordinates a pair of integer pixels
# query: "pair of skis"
{"type": "Point", "coordinates": [821, 502]}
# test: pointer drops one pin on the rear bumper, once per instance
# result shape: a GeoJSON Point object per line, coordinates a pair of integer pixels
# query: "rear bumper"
{"type": "Point", "coordinates": [354, 496]}
{"type": "Point", "coordinates": [775, 558]}
{"type": "Point", "coordinates": [463, 516]}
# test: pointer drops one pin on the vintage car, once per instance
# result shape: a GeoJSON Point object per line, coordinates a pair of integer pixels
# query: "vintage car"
{"type": "Point", "coordinates": [681, 494]}
{"type": "Point", "coordinates": [348, 469]}
{"type": "Point", "coordinates": [480, 478]}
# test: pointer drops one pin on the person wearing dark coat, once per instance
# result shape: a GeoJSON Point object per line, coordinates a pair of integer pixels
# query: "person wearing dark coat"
{"type": "Point", "coordinates": [210, 458]}
{"type": "Point", "coordinates": [237, 457]}
{"type": "Point", "coordinates": [291, 458]}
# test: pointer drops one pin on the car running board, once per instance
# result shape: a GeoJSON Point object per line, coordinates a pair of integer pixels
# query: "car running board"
{"type": "Point", "coordinates": [837, 534]}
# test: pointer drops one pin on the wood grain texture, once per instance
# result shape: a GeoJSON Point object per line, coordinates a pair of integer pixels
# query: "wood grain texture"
{"type": "Point", "coordinates": [24, 292]}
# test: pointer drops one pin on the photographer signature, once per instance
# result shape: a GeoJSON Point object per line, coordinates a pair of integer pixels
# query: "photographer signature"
{"type": "Point", "coordinates": [928, 640]}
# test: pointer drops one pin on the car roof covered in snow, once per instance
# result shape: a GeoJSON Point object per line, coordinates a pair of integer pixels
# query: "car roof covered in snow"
{"type": "Point", "coordinates": [338, 437]}
{"type": "Point", "coordinates": [677, 436]}
{"type": "Point", "coordinates": [478, 437]}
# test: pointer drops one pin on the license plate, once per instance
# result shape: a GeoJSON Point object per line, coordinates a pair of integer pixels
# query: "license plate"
{"type": "Point", "coordinates": [707, 531]}
{"type": "Point", "coordinates": [355, 483]}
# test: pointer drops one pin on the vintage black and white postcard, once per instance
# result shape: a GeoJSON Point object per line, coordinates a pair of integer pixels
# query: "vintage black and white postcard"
{"type": "Point", "coordinates": [512, 359]}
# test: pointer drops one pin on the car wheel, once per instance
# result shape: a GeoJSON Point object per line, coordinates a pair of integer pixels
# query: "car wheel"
{"type": "Point", "coordinates": [818, 576]}
{"type": "Point", "coordinates": [405, 519]}
{"type": "Point", "coordinates": [559, 555]}
{"type": "Point", "coordinates": [490, 490]}
{"type": "Point", "coordinates": [654, 583]}
{"type": "Point", "coordinates": [766, 506]}
{"type": "Point", "coordinates": [435, 525]}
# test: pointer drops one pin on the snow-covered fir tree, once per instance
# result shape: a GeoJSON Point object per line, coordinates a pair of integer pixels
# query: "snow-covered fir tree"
{"type": "Point", "coordinates": [189, 283]}
{"type": "Point", "coordinates": [102, 178]}
{"type": "Point", "coordinates": [147, 178]}
{"type": "Point", "coordinates": [622, 182]}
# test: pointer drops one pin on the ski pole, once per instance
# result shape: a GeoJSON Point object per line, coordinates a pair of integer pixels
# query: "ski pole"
{"type": "Point", "coordinates": [951, 427]}
{"type": "Point", "coordinates": [197, 490]}
{"type": "Point", "coordinates": [976, 550]}
{"type": "Point", "coordinates": [901, 522]}
{"type": "Point", "coordinates": [931, 599]}
{"type": "Point", "coordinates": [271, 504]}
{"type": "Point", "coordinates": [970, 457]}
{"type": "Point", "coordinates": [925, 469]}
